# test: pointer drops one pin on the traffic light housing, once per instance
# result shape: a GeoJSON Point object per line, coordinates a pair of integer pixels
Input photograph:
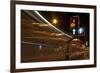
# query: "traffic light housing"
{"type": "Point", "coordinates": [74, 23]}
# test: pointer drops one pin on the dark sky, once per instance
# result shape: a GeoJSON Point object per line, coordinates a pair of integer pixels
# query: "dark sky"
{"type": "Point", "coordinates": [64, 20]}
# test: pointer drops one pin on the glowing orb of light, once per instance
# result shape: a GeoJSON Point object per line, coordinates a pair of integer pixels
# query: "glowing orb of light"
{"type": "Point", "coordinates": [80, 30]}
{"type": "Point", "coordinates": [55, 21]}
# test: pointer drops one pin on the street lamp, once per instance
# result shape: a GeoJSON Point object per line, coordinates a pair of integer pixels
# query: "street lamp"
{"type": "Point", "coordinates": [55, 21]}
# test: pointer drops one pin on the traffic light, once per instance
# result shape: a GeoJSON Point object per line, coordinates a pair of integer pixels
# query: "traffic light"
{"type": "Point", "coordinates": [74, 22]}
{"type": "Point", "coordinates": [81, 31]}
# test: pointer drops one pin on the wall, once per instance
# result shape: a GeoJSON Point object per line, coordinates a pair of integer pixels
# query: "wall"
{"type": "Point", "coordinates": [5, 36]}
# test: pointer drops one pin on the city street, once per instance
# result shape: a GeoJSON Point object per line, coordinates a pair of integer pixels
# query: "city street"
{"type": "Point", "coordinates": [41, 41]}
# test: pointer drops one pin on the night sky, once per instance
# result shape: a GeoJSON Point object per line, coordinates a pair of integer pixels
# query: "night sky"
{"type": "Point", "coordinates": [63, 19]}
